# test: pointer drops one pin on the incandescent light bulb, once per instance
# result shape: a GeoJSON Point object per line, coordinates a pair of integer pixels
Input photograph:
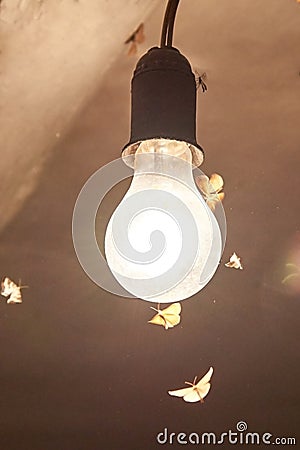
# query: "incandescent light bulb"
{"type": "Point", "coordinates": [163, 244]}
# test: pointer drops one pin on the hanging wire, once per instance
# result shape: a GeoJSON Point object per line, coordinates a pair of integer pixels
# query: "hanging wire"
{"type": "Point", "coordinates": [168, 23]}
{"type": "Point", "coordinates": [164, 29]}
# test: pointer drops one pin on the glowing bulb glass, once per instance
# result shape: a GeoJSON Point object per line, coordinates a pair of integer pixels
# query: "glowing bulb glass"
{"type": "Point", "coordinates": [163, 244]}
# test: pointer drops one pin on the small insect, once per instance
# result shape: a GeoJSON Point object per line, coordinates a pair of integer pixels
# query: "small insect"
{"type": "Point", "coordinates": [200, 81]}
{"type": "Point", "coordinates": [234, 262]}
{"type": "Point", "coordinates": [12, 291]}
{"type": "Point", "coordinates": [168, 317]}
{"type": "Point", "coordinates": [137, 37]}
{"type": "Point", "coordinates": [211, 189]}
{"type": "Point", "coordinates": [197, 391]}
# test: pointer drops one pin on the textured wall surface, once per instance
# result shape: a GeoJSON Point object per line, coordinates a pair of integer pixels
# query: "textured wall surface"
{"type": "Point", "coordinates": [53, 55]}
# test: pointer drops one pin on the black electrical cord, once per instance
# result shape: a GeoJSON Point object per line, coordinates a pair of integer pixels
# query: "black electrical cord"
{"type": "Point", "coordinates": [168, 23]}
{"type": "Point", "coordinates": [164, 29]}
{"type": "Point", "coordinates": [172, 15]}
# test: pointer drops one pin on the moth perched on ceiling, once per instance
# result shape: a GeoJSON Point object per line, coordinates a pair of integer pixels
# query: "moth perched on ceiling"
{"type": "Point", "coordinates": [168, 317]}
{"type": "Point", "coordinates": [234, 262]}
{"type": "Point", "coordinates": [211, 189]}
{"type": "Point", "coordinates": [136, 38]}
{"type": "Point", "coordinates": [11, 291]}
{"type": "Point", "coordinates": [197, 391]}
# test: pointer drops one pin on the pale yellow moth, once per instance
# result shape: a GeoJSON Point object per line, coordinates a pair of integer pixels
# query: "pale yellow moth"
{"type": "Point", "coordinates": [211, 189]}
{"type": "Point", "coordinates": [197, 391]}
{"type": "Point", "coordinates": [168, 317]}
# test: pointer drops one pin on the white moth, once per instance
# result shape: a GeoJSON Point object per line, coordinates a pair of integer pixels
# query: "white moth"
{"type": "Point", "coordinates": [197, 391]}
{"type": "Point", "coordinates": [234, 262]}
{"type": "Point", "coordinates": [11, 291]}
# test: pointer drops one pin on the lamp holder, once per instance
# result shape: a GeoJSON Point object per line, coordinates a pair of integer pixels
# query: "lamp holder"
{"type": "Point", "coordinates": [163, 101]}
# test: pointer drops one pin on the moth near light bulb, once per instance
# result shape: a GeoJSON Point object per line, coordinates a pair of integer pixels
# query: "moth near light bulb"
{"type": "Point", "coordinates": [168, 317]}
{"type": "Point", "coordinates": [197, 391]}
{"type": "Point", "coordinates": [234, 262]}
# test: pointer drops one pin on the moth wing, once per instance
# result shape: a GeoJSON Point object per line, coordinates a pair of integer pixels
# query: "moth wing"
{"type": "Point", "coordinates": [7, 287]}
{"type": "Point", "coordinates": [175, 308]}
{"type": "Point", "coordinates": [15, 297]}
{"type": "Point", "coordinates": [236, 261]}
{"type": "Point", "coordinates": [216, 182]}
{"type": "Point", "coordinates": [214, 199]}
{"type": "Point", "coordinates": [203, 390]}
{"type": "Point", "coordinates": [203, 184]}
{"type": "Point", "coordinates": [289, 277]}
{"type": "Point", "coordinates": [157, 320]}
{"type": "Point", "coordinates": [235, 264]}
{"type": "Point", "coordinates": [203, 386]}
{"type": "Point", "coordinates": [230, 264]}
{"type": "Point", "coordinates": [139, 36]}
{"type": "Point", "coordinates": [132, 49]}
{"type": "Point", "coordinates": [206, 378]}
{"type": "Point", "coordinates": [211, 201]}
{"type": "Point", "coordinates": [171, 315]}
{"type": "Point", "coordinates": [292, 266]}
{"type": "Point", "coordinates": [181, 392]}
{"type": "Point", "coordinates": [192, 396]}
{"type": "Point", "coordinates": [171, 319]}
{"type": "Point", "coordinates": [130, 38]}
{"type": "Point", "coordinates": [234, 257]}
{"type": "Point", "coordinates": [4, 288]}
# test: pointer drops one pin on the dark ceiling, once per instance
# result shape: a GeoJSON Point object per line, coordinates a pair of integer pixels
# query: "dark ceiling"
{"type": "Point", "coordinates": [80, 368]}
